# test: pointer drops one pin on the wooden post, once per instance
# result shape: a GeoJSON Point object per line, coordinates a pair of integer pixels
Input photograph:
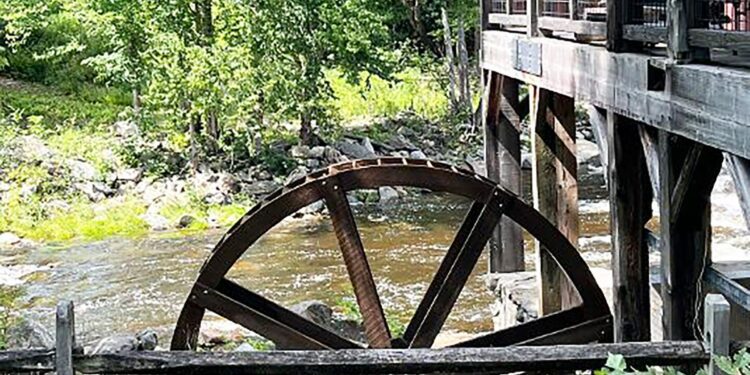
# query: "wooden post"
{"type": "Point", "coordinates": [65, 339]}
{"type": "Point", "coordinates": [716, 329]}
{"type": "Point", "coordinates": [555, 189]}
{"type": "Point", "coordinates": [620, 13]}
{"type": "Point", "coordinates": [630, 207]}
{"type": "Point", "coordinates": [573, 9]}
{"type": "Point", "coordinates": [598, 120]}
{"type": "Point", "coordinates": [685, 217]}
{"type": "Point", "coordinates": [503, 161]}
{"type": "Point", "coordinates": [484, 10]}
{"type": "Point", "coordinates": [682, 15]}
{"type": "Point", "coordinates": [532, 15]}
{"type": "Point", "coordinates": [740, 170]}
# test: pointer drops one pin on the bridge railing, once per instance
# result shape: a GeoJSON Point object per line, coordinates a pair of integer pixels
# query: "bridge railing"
{"type": "Point", "coordinates": [67, 358]}
{"type": "Point", "coordinates": [708, 24]}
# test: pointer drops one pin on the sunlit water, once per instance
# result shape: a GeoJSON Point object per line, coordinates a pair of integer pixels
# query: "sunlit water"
{"type": "Point", "coordinates": [125, 285]}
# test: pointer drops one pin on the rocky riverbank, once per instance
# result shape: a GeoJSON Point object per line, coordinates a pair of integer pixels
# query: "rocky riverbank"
{"type": "Point", "coordinates": [56, 184]}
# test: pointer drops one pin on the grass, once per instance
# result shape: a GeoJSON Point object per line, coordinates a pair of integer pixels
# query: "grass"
{"type": "Point", "coordinates": [375, 97]}
{"type": "Point", "coordinates": [75, 124]}
{"type": "Point", "coordinates": [8, 297]}
{"type": "Point", "coordinates": [117, 217]}
{"type": "Point", "coordinates": [90, 107]}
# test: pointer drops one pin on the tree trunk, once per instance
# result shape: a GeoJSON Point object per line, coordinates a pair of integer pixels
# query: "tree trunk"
{"type": "Point", "coordinates": [415, 19]}
{"type": "Point", "coordinates": [450, 61]}
{"type": "Point", "coordinates": [136, 101]}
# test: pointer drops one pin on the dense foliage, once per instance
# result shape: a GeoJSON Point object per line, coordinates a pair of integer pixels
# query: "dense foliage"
{"type": "Point", "coordinates": [224, 84]}
{"type": "Point", "coordinates": [222, 78]}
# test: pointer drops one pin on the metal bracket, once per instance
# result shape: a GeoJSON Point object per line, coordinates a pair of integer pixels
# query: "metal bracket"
{"type": "Point", "coordinates": [528, 57]}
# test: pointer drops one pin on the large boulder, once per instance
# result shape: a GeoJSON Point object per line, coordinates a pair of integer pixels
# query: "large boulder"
{"type": "Point", "coordinates": [145, 340]}
{"type": "Point", "coordinates": [25, 333]}
{"type": "Point", "coordinates": [81, 170]}
{"type": "Point", "coordinates": [387, 195]}
{"type": "Point", "coordinates": [29, 148]}
{"type": "Point", "coordinates": [155, 221]}
{"type": "Point", "coordinates": [261, 187]}
{"type": "Point", "coordinates": [354, 149]}
{"type": "Point", "coordinates": [515, 298]}
{"type": "Point", "coordinates": [130, 175]}
{"type": "Point", "coordinates": [588, 153]}
{"type": "Point", "coordinates": [321, 314]}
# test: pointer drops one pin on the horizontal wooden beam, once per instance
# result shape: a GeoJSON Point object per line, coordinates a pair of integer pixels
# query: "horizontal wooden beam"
{"type": "Point", "coordinates": [581, 27]}
{"type": "Point", "coordinates": [707, 104]}
{"type": "Point", "coordinates": [733, 290]}
{"type": "Point", "coordinates": [643, 33]}
{"type": "Point", "coordinates": [507, 19]}
{"type": "Point", "coordinates": [388, 361]}
{"type": "Point", "coordinates": [719, 39]}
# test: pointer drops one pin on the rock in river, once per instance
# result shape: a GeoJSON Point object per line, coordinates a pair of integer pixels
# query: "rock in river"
{"type": "Point", "coordinates": [9, 239]}
{"type": "Point", "coordinates": [146, 340]}
{"type": "Point", "coordinates": [28, 334]}
{"type": "Point", "coordinates": [320, 313]}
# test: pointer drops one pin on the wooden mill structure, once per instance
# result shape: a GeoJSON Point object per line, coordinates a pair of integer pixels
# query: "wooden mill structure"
{"type": "Point", "coordinates": [668, 84]}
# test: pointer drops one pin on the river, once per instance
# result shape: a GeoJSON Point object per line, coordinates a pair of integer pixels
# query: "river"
{"type": "Point", "coordinates": [126, 285]}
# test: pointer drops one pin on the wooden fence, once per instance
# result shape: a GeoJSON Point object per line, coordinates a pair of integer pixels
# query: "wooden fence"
{"type": "Point", "coordinates": [66, 359]}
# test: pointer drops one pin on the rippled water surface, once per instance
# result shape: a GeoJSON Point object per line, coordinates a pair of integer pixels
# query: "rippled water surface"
{"type": "Point", "coordinates": [124, 285]}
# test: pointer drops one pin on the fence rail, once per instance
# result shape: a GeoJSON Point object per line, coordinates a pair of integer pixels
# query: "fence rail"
{"type": "Point", "coordinates": [66, 358]}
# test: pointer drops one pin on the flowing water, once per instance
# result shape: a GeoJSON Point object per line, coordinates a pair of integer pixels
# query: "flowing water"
{"type": "Point", "coordinates": [125, 285]}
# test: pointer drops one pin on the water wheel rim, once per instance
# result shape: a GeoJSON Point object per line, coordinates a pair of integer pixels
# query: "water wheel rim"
{"type": "Point", "coordinates": [381, 172]}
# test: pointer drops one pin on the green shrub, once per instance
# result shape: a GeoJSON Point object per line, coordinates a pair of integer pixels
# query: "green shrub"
{"type": "Point", "coordinates": [411, 90]}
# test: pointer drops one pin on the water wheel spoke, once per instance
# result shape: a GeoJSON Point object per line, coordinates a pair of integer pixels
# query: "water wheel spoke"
{"type": "Point", "coordinates": [464, 252]}
{"type": "Point", "coordinates": [375, 325]}
{"type": "Point", "coordinates": [570, 323]}
{"type": "Point", "coordinates": [256, 313]}
{"type": "Point", "coordinates": [445, 266]}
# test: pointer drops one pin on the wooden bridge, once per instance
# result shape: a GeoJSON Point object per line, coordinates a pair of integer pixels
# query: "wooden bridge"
{"type": "Point", "coordinates": [668, 85]}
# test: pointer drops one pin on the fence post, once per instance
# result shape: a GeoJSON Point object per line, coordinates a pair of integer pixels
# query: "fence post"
{"type": "Point", "coordinates": [716, 329]}
{"type": "Point", "coordinates": [65, 339]}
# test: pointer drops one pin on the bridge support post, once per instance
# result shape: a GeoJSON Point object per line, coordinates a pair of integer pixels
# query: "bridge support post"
{"type": "Point", "coordinates": [687, 173]}
{"type": "Point", "coordinates": [555, 188]}
{"type": "Point", "coordinates": [630, 198]}
{"type": "Point", "coordinates": [502, 146]}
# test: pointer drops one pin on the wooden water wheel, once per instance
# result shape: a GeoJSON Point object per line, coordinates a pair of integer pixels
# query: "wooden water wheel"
{"type": "Point", "coordinates": [587, 322]}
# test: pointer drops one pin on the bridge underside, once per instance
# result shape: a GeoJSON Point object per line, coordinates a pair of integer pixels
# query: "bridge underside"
{"type": "Point", "coordinates": [665, 128]}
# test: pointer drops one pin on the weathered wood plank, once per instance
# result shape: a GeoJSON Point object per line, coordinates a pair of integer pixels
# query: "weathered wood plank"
{"type": "Point", "coordinates": [455, 280]}
{"type": "Point", "coordinates": [707, 104]}
{"type": "Point", "coordinates": [555, 189]}
{"type": "Point", "coordinates": [718, 39]}
{"type": "Point", "coordinates": [508, 20]}
{"type": "Point", "coordinates": [65, 338]}
{"type": "Point", "coordinates": [357, 266]}
{"type": "Point", "coordinates": [716, 328]}
{"type": "Point", "coordinates": [678, 15]}
{"type": "Point", "coordinates": [380, 361]}
{"type": "Point", "coordinates": [685, 239]}
{"type": "Point", "coordinates": [630, 209]}
{"type": "Point", "coordinates": [728, 287]}
{"type": "Point", "coordinates": [644, 33]}
{"type": "Point", "coordinates": [532, 17]}
{"type": "Point", "coordinates": [598, 120]}
{"type": "Point", "coordinates": [650, 140]}
{"type": "Point", "coordinates": [502, 144]}
{"type": "Point", "coordinates": [582, 27]}
{"type": "Point", "coordinates": [14, 361]}
{"type": "Point", "coordinates": [739, 168]}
